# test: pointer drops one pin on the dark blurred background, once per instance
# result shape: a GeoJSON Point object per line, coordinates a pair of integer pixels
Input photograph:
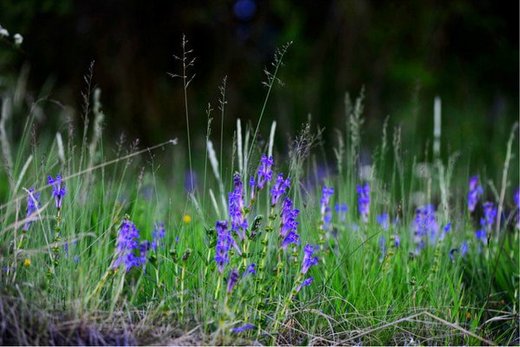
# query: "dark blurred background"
{"type": "Point", "coordinates": [403, 53]}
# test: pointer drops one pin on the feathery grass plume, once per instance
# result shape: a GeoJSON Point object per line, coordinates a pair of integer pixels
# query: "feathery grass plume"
{"type": "Point", "coordinates": [61, 149]}
{"type": "Point", "coordinates": [300, 150]}
{"type": "Point", "coordinates": [271, 139]}
{"type": "Point", "coordinates": [6, 147]}
{"type": "Point", "coordinates": [209, 109]}
{"type": "Point", "coordinates": [215, 166]}
{"type": "Point", "coordinates": [339, 152]}
{"type": "Point", "coordinates": [399, 168]}
{"type": "Point", "coordinates": [86, 95]}
{"type": "Point", "coordinates": [505, 171]}
{"type": "Point", "coordinates": [22, 172]}
{"type": "Point", "coordinates": [222, 107]}
{"type": "Point", "coordinates": [272, 77]}
{"type": "Point", "coordinates": [355, 122]}
{"type": "Point", "coordinates": [437, 127]}
{"type": "Point", "coordinates": [474, 193]}
{"type": "Point", "coordinates": [97, 127]}
{"type": "Point", "coordinates": [187, 63]}
{"type": "Point", "coordinates": [240, 148]}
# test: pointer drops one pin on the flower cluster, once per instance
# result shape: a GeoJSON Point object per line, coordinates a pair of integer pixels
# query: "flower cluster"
{"type": "Point", "coordinates": [363, 192]}
{"type": "Point", "coordinates": [279, 189]}
{"type": "Point", "coordinates": [242, 328]}
{"type": "Point", "coordinates": [326, 216]}
{"type": "Point", "coordinates": [475, 191]}
{"type": "Point", "coordinates": [425, 226]}
{"type": "Point", "coordinates": [309, 259]}
{"type": "Point", "coordinates": [236, 208]}
{"type": "Point", "coordinates": [383, 220]}
{"type": "Point", "coordinates": [157, 235]}
{"type": "Point", "coordinates": [232, 280]}
{"type": "Point", "coordinates": [288, 223]}
{"type": "Point", "coordinates": [486, 222]}
{"type": "Point", "coordinates": [58, 189]}
{"type": "Point", "coordinates": [224, 243]}
{"type": "Point", "coordinates": [33, 201]}
{"type": "Point", "coordinates": [265, 171]}
{"type": "Point", "coordinates": [341, 210]}
{"type": "Point", "coordinates": [127, 244]}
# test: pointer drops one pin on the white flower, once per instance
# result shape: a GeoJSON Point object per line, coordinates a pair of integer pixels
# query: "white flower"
{"type": "Point", "coordinates": [3, 32]}
{"type": "Point", "coordinates": [18, 39]}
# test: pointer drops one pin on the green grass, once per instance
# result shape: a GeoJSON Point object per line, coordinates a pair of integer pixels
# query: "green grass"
{"type": "Point", "coordinates": [180, 296]}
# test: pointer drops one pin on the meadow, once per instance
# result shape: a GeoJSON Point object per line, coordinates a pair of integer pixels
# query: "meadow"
{"type": "Point", "coordinates": [105, 242]}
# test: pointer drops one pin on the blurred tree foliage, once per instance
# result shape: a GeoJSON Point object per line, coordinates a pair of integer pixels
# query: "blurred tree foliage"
{"type": "Point", "coordinates": [403, 52]}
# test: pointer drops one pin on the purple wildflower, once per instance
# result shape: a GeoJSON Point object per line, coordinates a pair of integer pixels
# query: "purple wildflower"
{"type": "Point", "coordinates": [33, 201]}
{"type": "Point", "coordinates": [463, 248]}
{"type": "Point", "coordinates": [475, 191]}
{"type": "Point", "coordinates": [279, 188]}
{"type": "Point", "coordinates": [397, 241]}
{"type": "Point", "coordinates": [127, 243]}
{"type": "Point", "coordinates": [307, 282]}
{"type": "Point", "coordinates": [250, 270]}
{"type": "Point", "coordinates": [481, 235]}
{"type": "Point", "coordinates": [425, 226]}
{"type": "Point", "coordinates": [242, 328]}
{"type": "Point", "coordinates": [224, 243]}
{"type": "Point", "coordinates": [308, 258]}
{"type": "Point", "coordinates": [236, 207]}
{"type": "Point", "coordinates": [157, 235]}
{"type": "Point", "coordinates": [383, 220]}
{"type": "Point", "coordinates": [265, 171]}
{"type": "Point", "coordinates": [232, 280]}
{"type": "Point", "coordinates": [490, 214]}
{"type": "Point", "coordinates": [289, 223]}
{"type": "Point", "coordinates": [58, 189]}
{"type": "Point", "coordinates": [342, 210]}
{"type": "Point", "coordinates": [445, 230]}
{"type": "Point", "coordinates": [326, 216]}
{"type": "Point", "coordinates": [363, 201]}
{"type": "Point", "coordinates": [326, 193]}
{"type": "Point", "coordinates": [144, 247]}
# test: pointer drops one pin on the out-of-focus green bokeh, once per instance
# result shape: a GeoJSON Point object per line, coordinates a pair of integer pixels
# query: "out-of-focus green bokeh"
{"type": "Point", "coordinates": [403, 53]}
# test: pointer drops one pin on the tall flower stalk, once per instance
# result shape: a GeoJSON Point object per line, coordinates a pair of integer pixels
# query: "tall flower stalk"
{"type": "Point", "coordinates": [58, 192]}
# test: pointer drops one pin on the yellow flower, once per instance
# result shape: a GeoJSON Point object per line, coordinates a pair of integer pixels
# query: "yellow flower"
{"type": "Point", "coordinates": [186, 218]}
{"type": "Point", "coordinates": [27, 262]}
